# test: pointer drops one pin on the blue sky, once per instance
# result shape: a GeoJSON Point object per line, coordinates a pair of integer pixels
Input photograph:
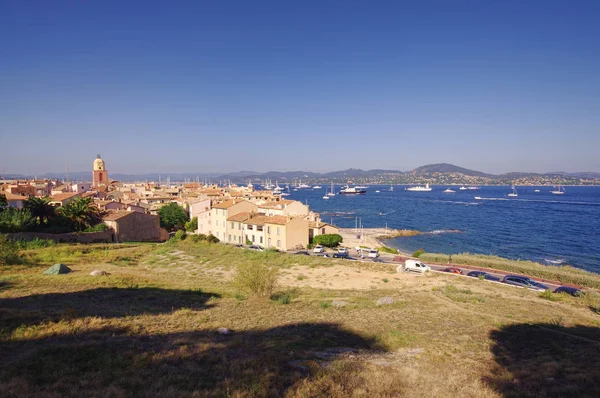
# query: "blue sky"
{"type": "Point", "coordinates": [205, 86]}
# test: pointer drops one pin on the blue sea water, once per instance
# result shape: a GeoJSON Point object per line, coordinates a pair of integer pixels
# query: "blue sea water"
{"type": "Point", "coordinates": [538, 226]}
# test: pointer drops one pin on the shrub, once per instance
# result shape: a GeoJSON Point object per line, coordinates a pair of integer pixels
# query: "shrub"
{"type": "Point", "coordinates": [35, 243]}
{"type": "Point", "coordinates": [418, 253]}
{"type": "Point", "coordinates": [9, 251]}
{"type": "Point", "coordinates": [180, 235]}
{"type": "Point", "coordinates": [386, 249]}
{"type": "Point", "coordinates": [248, 242]}
{"type": "Point", "coordinates": [97, 228]}
{"type": "Point", "coordinates": [192, 225]}
{"type": "Point", "coordinates": [548, 295]}
{"type": "Point", "coordinates": [212, 239]}
{"type": "Point", "coordinates": [256, 279]}
{"type": "Point", "coordinates": [14, 220]}
{"type": "Point", "coordinates": [282, 297]}
{"type": "Point", "coordinates": [328, 240]}
{"type": "Point", "coordinates": [325, 304]}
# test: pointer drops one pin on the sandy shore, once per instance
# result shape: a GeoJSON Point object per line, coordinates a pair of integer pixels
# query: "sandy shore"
{"type": "Point", "coordinates": [371, 237]}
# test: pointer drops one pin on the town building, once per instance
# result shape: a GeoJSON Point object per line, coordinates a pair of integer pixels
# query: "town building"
{"type": "Point", "coordinates": [99, 173]}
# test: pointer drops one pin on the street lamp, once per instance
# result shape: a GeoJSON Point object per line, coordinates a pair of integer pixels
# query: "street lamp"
{"type": "Point", "coordinates": [450, 256]}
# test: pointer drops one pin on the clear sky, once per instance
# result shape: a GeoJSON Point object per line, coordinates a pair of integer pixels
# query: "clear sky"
{"type": "Point", "coordinates": [222, 86]}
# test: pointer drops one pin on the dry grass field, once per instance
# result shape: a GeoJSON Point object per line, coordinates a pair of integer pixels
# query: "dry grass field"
{"type": "Point", "coordinates": [151, 328]}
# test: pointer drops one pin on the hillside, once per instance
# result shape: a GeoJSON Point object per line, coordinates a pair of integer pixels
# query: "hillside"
{"type": "Point", "coordinates": [333, 328]}
{"type": "Point", "coordinates": [448, 168]}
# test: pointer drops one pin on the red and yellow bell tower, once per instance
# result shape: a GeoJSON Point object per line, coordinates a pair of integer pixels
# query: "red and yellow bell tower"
{"type": "Point", "coordinates": [100, 175]}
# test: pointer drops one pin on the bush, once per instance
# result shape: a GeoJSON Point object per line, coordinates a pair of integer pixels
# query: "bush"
{"type": "Point", "coordinates": [418, 253]}
{"type": "Point", "coordinates": [97, 228]}
{"type": "Point", "coordinates": [328, 240]}
{"type": "Point", "coordinates": [212, 239]}
{"type": "Point", "coordinates": [35, 243]}
{"type": "Point", "coordinates": [172, 216]}
{"type": "Point", "coordinates": [14, 220]}
{"type": "Point", "coordinates": [192, 225]}
{"type": "Point", "coordinates": [386, 249]}
{"type": "Point", "coordinates": [180, 235]}
{"type": "Point", "coordinates": [248, 242]}
{"type": "Point", "coordinates": [256, 279]}
{"type": "Point", "coordinates": [9, 251]}
{"type": "Point", "coordinates": [282, 297]}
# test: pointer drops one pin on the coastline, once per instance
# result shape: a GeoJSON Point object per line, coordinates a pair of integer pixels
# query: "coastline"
{"type": "Point", "coordinates": [372, 237]}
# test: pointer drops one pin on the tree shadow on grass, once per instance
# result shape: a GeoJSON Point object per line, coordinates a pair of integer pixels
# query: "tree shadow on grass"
{"type": "Point", "coordinates": [112, 361]}
{"type": "Point", "coordinates": [100, 302]}
{"type": "Point", "coordinates": [546, 360]}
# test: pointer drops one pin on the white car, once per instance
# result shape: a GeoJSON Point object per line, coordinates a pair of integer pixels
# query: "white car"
{"type": "Point", "coordinates": [343, 250]}
{"type": "Point", "coordinates": [373, 253]}
{"type": "Point", "coordinates": [318, 249]}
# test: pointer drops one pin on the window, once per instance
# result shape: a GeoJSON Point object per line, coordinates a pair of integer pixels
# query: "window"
{"type": "Point", "coordinates": [268, 230]}
{"type": "Point", "coordinates": [239, 225]}
{"type": "Point", "coordinates": [269, 242]}
{"type": "Point", "coordinates": [229, 238]}
{"type": "Point", "coordinates": [277, 230]}
{"type": "Point", "coordinates": [252, 238]}
{"type": "Point", "coordinates": [259, 227]}
{"type": "Point", "coordinates": [261, 240]}
{"type": "Point", "coordinates": [232, 225]}
{"type": "Point", "coordinates": [323, 231]}
{"type": "Point", "coordinates": [250, 227]}
{"type": "Point", "coordinates": [239, 239]}
{"type": "Point", "coordinates": [278, 243]}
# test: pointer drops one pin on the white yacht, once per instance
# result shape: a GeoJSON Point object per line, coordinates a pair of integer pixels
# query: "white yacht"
{"type": "Point", "coordinates": [559, 191]}
{"type": "Point", "coordinates": [514, 193]}
{"type": "Point", "coordinates": [463, 188]}
{"type": "Point", "coordinates": [352, 191]}
{"type": "Point", "coordinates": [449, 191]}
{"type": "Point", "coordinates": [472, 188]}
{"type": "Point", "coordinates": [332, 192]}
{"type": "Point", "coordinates": [420, 188]}
{"type": "Point", "coordinates": [391, 188]}
{"type": "Point", "coordinates": [317, 187]}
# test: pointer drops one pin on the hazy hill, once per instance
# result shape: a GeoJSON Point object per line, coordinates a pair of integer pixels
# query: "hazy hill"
{"type": "Point", "coordinates": [448, 168]}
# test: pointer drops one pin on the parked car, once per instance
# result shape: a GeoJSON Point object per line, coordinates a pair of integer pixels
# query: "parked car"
{"type": "Point", "coordinates": [343, 250]}
{"type": "Point", "coordinates": [257, 248]}
{"type": "Point", "coordinates": [484, 275]}
{"type": "Point", "coordinates": [318, 249]}
{"type": "Point", "coordinates": [341, 255]}
{"type": "Point", "coordinates": [322, 255]}
{"type": "Point", "coordinates": [304, 253]}
{"type": "Point", "coordinates": [373, 253]}
{"type": "Point", "coordinates": [524, 281]}
{"type": "Point", "coordinates": [377, 260]}
{"type": "Point", "coordinates": [453, 270]}
{"type": "Point", "coordinates": [413, 265]}
{"type": "Point", "coordinates": [573, 291]}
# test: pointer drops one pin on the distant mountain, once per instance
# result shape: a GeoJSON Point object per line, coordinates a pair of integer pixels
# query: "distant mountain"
{"type": "Point", "coordinates": [448, 168]}
{"type": "Point", "coordinates": [358, 173]}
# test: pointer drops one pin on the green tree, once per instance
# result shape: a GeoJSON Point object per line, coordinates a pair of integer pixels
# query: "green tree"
{"type": "Point", "coordinates": [3, 201]}
{"type": "Point", "coordinates": [328, 240]}
{"type": "Point", "coordinates": [40, 208]}
{"type": "Point", "coordinates": [15, 220]}
{"type": "Point", "coordinates": [82, 213]}
{"type": "Point", "coordinates": [172, 216]}
{"type": "Point", "coordinates": [9, 250]}
{"type": "Point", "coordinates": [192, 225]}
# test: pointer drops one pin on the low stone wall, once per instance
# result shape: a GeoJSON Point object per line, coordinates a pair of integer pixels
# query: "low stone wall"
{"type": "Point", "coordinates": [75, 237]}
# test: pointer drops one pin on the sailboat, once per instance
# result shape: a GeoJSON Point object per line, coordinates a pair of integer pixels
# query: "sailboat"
{"type": "Point", "coordinates": [449, 190]}
{"type": "Point", "coordinates": [332, 193]}
{"type": "Point", "coordinates": [514, 192]}
{"type": "Point", "coordinates": [391, 188]}
{"type": "Point", "coordinates": [559, 191]}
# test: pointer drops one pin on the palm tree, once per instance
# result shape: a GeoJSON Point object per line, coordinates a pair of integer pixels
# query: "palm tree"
{"type": "Point", "coordinates": [40, 208]}
{"type": "Point", "coordinates": [82, 212]}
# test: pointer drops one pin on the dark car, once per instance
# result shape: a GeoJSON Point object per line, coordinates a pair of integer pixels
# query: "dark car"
{"type": "Point", "coordinates": [524, 281]}
{"type": "Point", "coordinates": [257, 248]}
{"type": "Point", "coordinates": [377, 260]}
{"type": "Point", "coordinates": [573, 291]}
{"type": "Point", "coordinates": [341, 255]}
{"type": "Point", "coordinates": [452, 270]}
{"type": "Point", "coordinates": [484, 275]}
{"type": "Point", "coordinates": [304, 253]}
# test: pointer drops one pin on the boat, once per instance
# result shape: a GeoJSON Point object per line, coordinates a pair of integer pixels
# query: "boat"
{"type": "Point", "coordinates": [472, 188]}
{"type": "Point", "coordinates": [478, 198]}
{"type": "Point", "coordinates": [514, 192]}
{"type": "Point", "coordinates": [352, 191]}
{"type": "Point", "coordinates": [559, 191]}
{"type": "Point", "coordinates": [537, 190]}
{"type": "Point", "coordinates": [449, 191]}
{"type": "Point", "coordinates": [377, 191]}
{"type": "Point", "coordinates": [463, 188]}
{"type": "Point", "coordinates": [420, 188]}
{"type": "Point", "coordinates": [332, 192]}
{"type": "Point", "coordinates": [391, 188]}
{"type": "Point", "coordinates": [326, 197]}
{"type": "Point", "coordinates": [317, 187]}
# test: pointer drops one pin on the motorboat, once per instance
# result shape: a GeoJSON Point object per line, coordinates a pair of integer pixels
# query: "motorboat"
{"type": "Point", "coordinates": [472, 188]}
{"type": "Point", "coordinates": [377, 191]}
{"type": "Point", "coordinates": [420, 188]}
{"type": "Point", "coordinates": [317, 187]}
{"type": "Point", "coordinates": [347, 190]}
{"type": "Point", "coordinates": [537, 190]}
{"type": "Point", "coordinates": [463, 188]}
{"type": "Point", "coordinates": [449, 191]}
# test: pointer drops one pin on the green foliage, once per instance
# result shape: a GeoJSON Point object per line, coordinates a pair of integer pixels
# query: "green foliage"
{"type": "Point", "coordinates": [40, 208]}
{"type": "Point", "coordinates": [9, 251]}
{"type": "Point", "coordinates": [180, 235]}
{"type": "Point", "coordinates": [248, 242]}
{"type": "Point", "coordinates": [35, 243]}
{"type": "Point", "coordinates": [386, 249]}
{"type": "Point", "coordinates": [418, 253]}
{"type": "Point", "coordinates": [192, 225]}
{"type": "Point", "coordinates": [385, 280]}
{"type": "Point", "coordinates": [256, 279]}
{"type": "Point", "coordinates": [282, 297]}
{"type": "Point", "coordinates": [325, 304]}
{"type": "Point", "coordinates": [15, 220]}
{"type": "Point", "coordinates": [328, 240]}
{"type": "Point", "coordinates": [172, 216]}
{"type": "Point", "coordinates": [3, 201]}
{"type": "Point", "coordinates": [97, 228]}
{"type": "Point", "coordinates": [548, 295]}
{"type": "Point", "coordinates": [82, 213]}
{"type": "Point", "coordinates": [212, 239]}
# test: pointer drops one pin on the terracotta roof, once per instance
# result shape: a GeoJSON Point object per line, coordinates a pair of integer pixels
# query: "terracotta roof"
{"type": "Point", "coordinates": [240, 217]}
{"type": "Point", "coordinates": [12, 196]}
{"type": "Point", "coordinates": [59, 197]}
{"type": "Point", "coordinates": [226, 204]}
{"type": "Point", "coordinates": [262, 220]}
{"type": "Point", "coordinates": [115, 215]}
{"type": "Point", "coordinates": [313, 224]}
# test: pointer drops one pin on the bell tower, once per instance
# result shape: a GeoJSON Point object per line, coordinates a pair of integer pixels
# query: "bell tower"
{"type": "Point", "coordinates": [100, 175]}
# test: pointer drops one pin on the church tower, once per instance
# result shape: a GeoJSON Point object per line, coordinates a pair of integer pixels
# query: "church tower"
{"type": "Point", "coordinates": [100, 176]}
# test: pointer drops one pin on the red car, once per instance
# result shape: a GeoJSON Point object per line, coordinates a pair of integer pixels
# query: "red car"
{"type": "Point", "coordinates": [453, 271]}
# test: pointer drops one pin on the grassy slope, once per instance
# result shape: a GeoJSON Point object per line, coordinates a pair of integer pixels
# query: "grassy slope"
{"type": "Point", "coordinates": [150, 329]}
{"type": "Point", "coordinates": [564, 274]}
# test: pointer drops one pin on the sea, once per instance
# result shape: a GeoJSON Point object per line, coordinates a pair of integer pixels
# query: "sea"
{"type": "Point", "coordinates": [537, 225]}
